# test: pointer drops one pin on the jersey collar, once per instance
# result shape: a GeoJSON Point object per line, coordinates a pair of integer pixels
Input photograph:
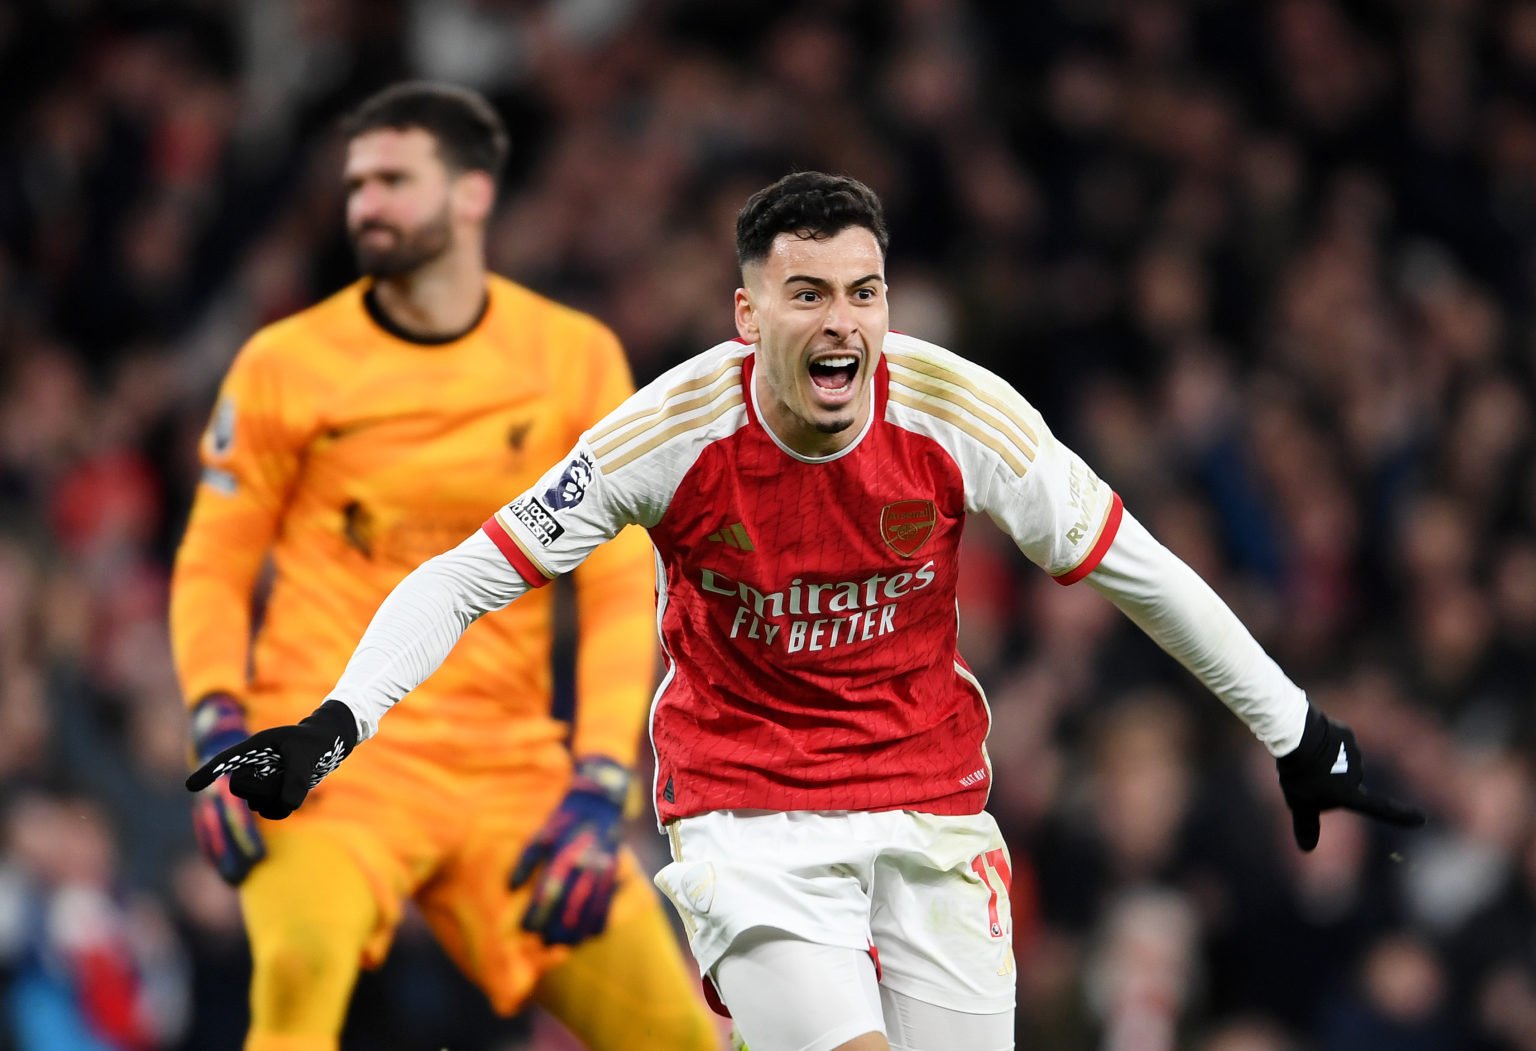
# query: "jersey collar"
{"type": "Point", "coordinates": [381, 318]}
{"type": "Point", "coordinates": [879, 390]}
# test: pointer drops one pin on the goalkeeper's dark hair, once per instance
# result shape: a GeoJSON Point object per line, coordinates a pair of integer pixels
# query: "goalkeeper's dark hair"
{"type": "Point", "coordinates": [807, 204]}
{"type": "Point", "coordinates": [470, 134]}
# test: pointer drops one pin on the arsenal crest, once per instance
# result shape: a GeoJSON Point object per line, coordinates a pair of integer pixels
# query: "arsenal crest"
{"type": "Point", "coordinates": [906, 525]}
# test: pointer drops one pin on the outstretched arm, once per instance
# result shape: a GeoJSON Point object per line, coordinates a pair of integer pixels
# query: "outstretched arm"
{"type": "Point", "coordinates": [1074, 526]}
{"type": "Point", "coordinates": [420, 622]}
{"type": "Point", "coordinates": [1168, 600]}
{"type": "Point", "coordinates": [1319, 762]}
{"type": "Point", "coordinates": [525, 544]}
{"type": "Point", "coordinates": [411, 634]}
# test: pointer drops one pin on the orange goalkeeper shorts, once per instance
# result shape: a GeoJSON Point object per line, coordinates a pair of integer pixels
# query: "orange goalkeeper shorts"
{"type": "Point", "coordinates": [447, 829]}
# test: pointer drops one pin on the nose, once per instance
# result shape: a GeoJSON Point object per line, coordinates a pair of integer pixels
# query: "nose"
{"type": "Point", "coordinates": [365, 203]}
{"type": "Point", "coordinates": [838, 323]}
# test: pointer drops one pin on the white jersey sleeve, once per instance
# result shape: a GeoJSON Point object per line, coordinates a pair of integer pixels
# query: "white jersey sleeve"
{"type": "Point", "coordinates": [626, 469]}
{"type": "Point", "coordinates": [1036, 489]}
{"type": "Point", "coordinates": [1071, 524]}
{"type": "Point", "coordinates": [419, 623]}
{"type": "Point", "coordinates": [623, 471]}
{"type": "Point", "coordinates": [1169, 601]}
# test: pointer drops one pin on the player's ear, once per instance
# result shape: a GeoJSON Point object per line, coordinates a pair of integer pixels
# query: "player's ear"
{"type": "Point", "coordinates": [746, 316]}
{"type": "Point", "coordinates": [474, 195]}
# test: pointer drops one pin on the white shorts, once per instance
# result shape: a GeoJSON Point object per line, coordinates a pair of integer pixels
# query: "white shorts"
{"type": "Point", "coordinates": [926, 895]}
{"type": "Point", "coordinates": [835, 999]}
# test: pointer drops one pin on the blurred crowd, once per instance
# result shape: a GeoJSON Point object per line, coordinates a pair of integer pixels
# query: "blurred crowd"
{"type": "Point", "coordinates": [1269, 266]}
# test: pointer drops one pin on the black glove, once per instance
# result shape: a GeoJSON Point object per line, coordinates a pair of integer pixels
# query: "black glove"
{"type": "Point", "coordinates": [274, 769]}
{"type": "Point", "coordinates": [1325, 772]}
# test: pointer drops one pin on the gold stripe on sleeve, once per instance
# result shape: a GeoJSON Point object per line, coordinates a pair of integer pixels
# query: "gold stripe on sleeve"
{"type": "Point", "coordinates": [613, 428]}
{"type": "Point", "coordinates": [667, 435]}
{"type": "Point", "coordinates": [955, 398]}
{"type": "Point", "coordinates": [662, 412]}
{"type": "Point", "coordinates": [938, 372]}
{"type": "Point", "coordinates": [549, 574]}
{"type": "Point", "coordinates": [1011, 452]}
{"type": "Point", "coordinates": [940, 408]}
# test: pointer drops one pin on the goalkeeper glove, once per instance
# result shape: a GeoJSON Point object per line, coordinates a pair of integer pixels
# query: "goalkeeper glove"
{"type": "Point", "coordinates": [1325, 772]}
{"type": "Point", "coordinates": [274, 769]}
{"type": "Point", "coordinates": [578, 849]}
{"type": "Point", "coordinates": [226, 832]}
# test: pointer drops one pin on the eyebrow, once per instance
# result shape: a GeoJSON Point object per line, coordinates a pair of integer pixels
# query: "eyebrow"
{"type": "Point", "coordinates": [820, 282]}
{"type": "Point", "coordinates": [353, 178]}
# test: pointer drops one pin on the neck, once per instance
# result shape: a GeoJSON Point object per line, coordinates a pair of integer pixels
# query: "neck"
{"type": "Point", "coordinates": [442, 298]}
{"type": "Point", "coordinates": [800, 437]}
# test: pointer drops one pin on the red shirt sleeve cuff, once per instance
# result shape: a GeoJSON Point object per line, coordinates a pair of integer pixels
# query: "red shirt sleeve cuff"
{"type": "Point", "coordinates": [514, 553]}
{"type": "Point", "coordinates": [1095, 554]}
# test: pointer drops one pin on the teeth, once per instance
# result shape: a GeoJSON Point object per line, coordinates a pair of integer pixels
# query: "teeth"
{"type": "Point", "coordinates": [838, 363]}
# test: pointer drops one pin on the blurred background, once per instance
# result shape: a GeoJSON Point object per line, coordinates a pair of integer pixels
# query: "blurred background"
{"type": "Point", "coordinates": [1268, 266]}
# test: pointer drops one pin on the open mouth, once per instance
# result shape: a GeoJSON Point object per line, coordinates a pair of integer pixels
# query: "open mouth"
{"type": "Point", "coordinates": [834, 373]}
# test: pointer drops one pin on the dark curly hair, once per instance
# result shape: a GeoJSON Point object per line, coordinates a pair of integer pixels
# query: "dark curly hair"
{"type": "Point", "coordinates": [470, 134]}
{"type": "Point", "coordinates": [807, 204]}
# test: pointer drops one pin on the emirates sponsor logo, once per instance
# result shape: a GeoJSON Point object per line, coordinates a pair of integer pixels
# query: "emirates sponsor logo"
{"type": "Point", "coordinates": [817, 616]}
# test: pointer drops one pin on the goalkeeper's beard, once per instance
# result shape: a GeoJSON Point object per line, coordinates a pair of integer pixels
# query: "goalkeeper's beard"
{"type": "Point", "coordinates": [407, 252]}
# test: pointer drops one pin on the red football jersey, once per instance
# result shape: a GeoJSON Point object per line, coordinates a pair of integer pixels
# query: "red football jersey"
{"type": "Point", "coordinates": [807, 606]}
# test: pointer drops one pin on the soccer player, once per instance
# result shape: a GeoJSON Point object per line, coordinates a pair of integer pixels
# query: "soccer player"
{"type": "Point", "coordinates": [820, 745]}
{"type": "Point", "coordinates": [350, 442]}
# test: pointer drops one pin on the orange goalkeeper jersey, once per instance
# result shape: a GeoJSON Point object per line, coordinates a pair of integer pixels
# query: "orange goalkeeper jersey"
{"type": "Point", "coordinates": [350, 455]}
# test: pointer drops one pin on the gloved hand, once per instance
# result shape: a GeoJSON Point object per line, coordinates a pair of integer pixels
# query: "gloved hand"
{"type": "Point", "coordinates": [1324, 772]}
{"type": "Point", "coordinates": [226, 832]}
{"type": "Point", "coordinates": [275, 769]}
{"type": "Point", "coordinates": [578, 848]}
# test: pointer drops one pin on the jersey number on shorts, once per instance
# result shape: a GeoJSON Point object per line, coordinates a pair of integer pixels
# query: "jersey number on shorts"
{"type": "Point", "coordinates": [997, 861]}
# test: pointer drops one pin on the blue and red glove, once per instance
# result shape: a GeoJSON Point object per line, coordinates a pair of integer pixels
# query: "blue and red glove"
{"type": "Point", "coordinates": [225, 827]}
{"type": "Point", "coordinates": [578, 848]}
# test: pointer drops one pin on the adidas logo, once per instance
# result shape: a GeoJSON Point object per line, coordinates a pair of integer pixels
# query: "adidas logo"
{"type": "Point", "coordinates": [733, 536]}
{"type": "Point", "coordinates": [1341, 764]}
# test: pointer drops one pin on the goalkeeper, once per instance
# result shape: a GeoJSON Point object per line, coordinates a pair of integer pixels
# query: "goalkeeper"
{"type": "Point", "coordinates": [350, 442]}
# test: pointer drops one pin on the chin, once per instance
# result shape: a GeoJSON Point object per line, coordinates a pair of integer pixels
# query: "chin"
{"type": "Point", "coordinates": [383, 264]}
{"type": "Point", "coordinates": [834, 426]}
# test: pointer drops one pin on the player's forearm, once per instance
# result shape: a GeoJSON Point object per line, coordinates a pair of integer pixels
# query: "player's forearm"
{"type": "Point", "coordinates": [216, 569]}
{"type": "Point", "coordinates": [419, 623]}
{"type": "Point", "coordinates": [210, 632]}
{"type": "Point", "coordinates": [1169, 601]}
